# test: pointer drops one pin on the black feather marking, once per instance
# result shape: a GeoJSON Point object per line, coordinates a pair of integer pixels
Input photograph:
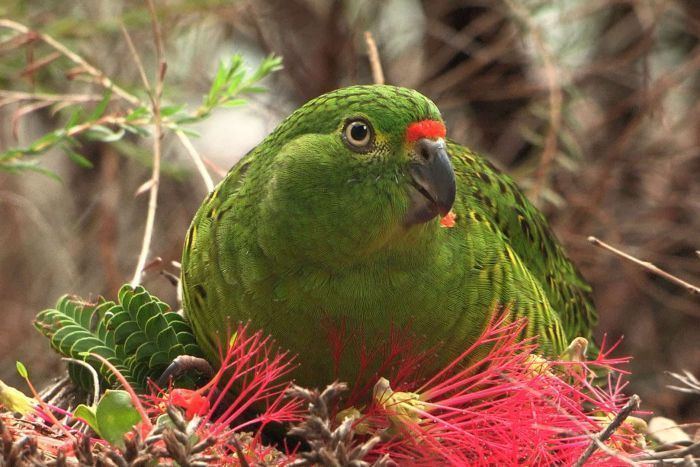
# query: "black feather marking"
{"type": "Point", "coordinates": [200, 294]}
{"type": "Point", "coordinates": [502, 187]}
{"type": "Point", "coordinates": [484, 176]}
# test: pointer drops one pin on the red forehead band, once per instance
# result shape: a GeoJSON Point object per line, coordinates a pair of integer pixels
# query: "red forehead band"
{"type": "Point", "coordinates": [431, 129]}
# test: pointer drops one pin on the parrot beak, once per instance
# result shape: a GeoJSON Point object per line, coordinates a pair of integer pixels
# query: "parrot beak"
{"type": "Point", "coordinates": [432, 181]}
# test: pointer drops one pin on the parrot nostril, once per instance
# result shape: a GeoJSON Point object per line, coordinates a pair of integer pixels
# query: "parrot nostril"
{"type": "Point", "coordinates": [424, 153]}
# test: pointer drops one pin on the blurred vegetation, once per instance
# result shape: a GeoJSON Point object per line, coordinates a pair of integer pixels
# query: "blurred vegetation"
{"type": "Point", "coordinates": [592, 105]}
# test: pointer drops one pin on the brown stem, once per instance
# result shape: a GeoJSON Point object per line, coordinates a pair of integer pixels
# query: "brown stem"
{"type": "Point", "coordinates": [691, 450]}
{"type": "Point", "coordinates": [692, 289]}
{"type": "Point", "coordinates": [375, 63]}
{"type": "Point", "coordinates": [607, 432]}
{"type": "Point", "coordinates": [157, 140]}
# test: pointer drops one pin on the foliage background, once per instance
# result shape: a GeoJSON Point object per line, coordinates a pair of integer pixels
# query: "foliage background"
{"type": "Point", "coordinates": [592, 105]}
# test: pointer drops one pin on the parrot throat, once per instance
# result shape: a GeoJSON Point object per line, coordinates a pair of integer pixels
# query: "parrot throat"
{"type": "Point", "coordinates": [390, 288]}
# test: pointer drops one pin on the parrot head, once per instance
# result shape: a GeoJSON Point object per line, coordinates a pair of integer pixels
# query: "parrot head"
{"type": "Point", "coordinates": [353, 171]}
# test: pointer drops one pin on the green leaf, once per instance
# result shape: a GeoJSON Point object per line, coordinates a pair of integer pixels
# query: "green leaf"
{"type": "Point", "coordinates": [138, 113]}
{"type": "Point", "coordinates": [254, 89]}
{"type": "Point", "coordinates": [159, 359]}
{"type": "Point", "coordinates": [78, 158]}
{"type": "Point", "coordinates": [88, 415]}
{"type": "Point", "coordinates": [115, 416]}
{"type": "Point", "coordinates": [230, 82]}
{"type": "Point", "coordinates": [188, 131]}
{"type": "Point", "coordinates": [136, 130]}
{"type": "Point", "coordinates": [139, 336]}
{"type": "Point", "coordinates": [124, 330]}
{"type": "Point", "coordinates": [73, 119]}
{"type": "Point", "coordinates": [102, 106]}
{"type": "Point", "coordinates": [104, 134]}
{"type": "Point", "coordinates": [16, 401]}
{"type": "Point", "coordinates": [170, 110]}
{"type": "Point", "coordinates": [134, 341]}
{"type": "Point", "coordinates": [22, 370]}
{"type": "Point", "coordinates": [30, 166]}
{"type": "Point", "coordinates": [46, 141]}
{"type": "Point", "coordinates": [234, 103]}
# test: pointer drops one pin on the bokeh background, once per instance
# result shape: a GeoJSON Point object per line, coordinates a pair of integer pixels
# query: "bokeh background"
{"type": "Point", "coordinates": [592, 105]}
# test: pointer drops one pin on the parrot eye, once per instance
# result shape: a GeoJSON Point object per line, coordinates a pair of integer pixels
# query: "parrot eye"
{"type": "Point", "coordinates": [358, 135]}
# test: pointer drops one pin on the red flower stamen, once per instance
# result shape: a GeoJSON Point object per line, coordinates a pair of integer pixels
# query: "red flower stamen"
{"type": "Point", "coordinates": [192, 401]}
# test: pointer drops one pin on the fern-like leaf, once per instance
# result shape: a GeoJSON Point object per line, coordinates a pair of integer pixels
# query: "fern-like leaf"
{"type": "Point", "coordinates": [139, 335]}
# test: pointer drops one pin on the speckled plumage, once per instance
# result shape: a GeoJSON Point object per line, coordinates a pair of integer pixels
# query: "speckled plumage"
{"type": "Point", "coordinates": [304, 233]}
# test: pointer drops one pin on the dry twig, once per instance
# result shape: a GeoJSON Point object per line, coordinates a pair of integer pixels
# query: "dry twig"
{"type": "Point", "coordinates": [690, 381]}
{"type": "Point", "coordinates": [647, 265]}
{"type": "Point", "coordinates": [196, 158]}
{"type": "Point", "coordinates": [693, 451]}
{"type": "Point", "coordinates": [10, 97]}
{"type": "Point", "coordinates": [155, 96]}
{"type": "Point", "coordinates": [375, 63]}
{"type": "Point", "coordinates": [330, 444]}
{"type": "Point", "coordinates": [607, 432]}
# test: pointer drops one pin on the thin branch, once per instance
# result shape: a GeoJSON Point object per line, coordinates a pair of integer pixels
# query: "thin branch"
{"type": "Point", "coordinates": [160, 54]}
{"type": "Point", "coordinates": [9, 97]}
{"type": "Point", "coordinates": [101, 78]}
{"type": "Point", "coordinates": [35, 65]}
{"type": "Point", "coordinates": [136, 58]}
{"type": "Point", "coordinates": [375, 63]}
{"type": "Point", "coordinates": [47, 411]}
{"type": "Point", "coordinates": [692, 384]}
{"type": "Point", "coordinates": [607, 432]}
{"type": "Point", "coordinates": [194, 155]}
{"type": "Point", "coordinates": [196, 158]}
{"type": "Point", "coordinates": [157, 149]}
{"type": "Point", "coordinates": [83, 127]}
{"type": "Point", "coordinates": [692, 289]}
{"type": "Point", "coordinates": [691, 450]}
{"type": "Point", "coordinates": [22, 111]}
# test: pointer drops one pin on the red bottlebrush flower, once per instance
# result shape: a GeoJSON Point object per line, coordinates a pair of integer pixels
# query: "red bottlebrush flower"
{"type": "Point", "coordinates": [501, 406]}
{"type": "Point", "coordinates": [255, 379]}
{"type": "Point", "coordinates": [257, 374]}
{"type": "Point", "coordinates": [251, 372]}
{"type": "Point", "coordinates": [192, 401]}
{"type": "Point", "coordinates": [247, 392]}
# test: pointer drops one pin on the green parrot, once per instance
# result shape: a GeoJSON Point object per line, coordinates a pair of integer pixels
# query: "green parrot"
{"type": "Point", "coordinates": [357, 213]}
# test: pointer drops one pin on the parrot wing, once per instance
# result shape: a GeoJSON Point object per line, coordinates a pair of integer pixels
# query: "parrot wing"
{"type": "Point", "coordinates": [528, 234]}
{"type": "Point", "coordinates": [205, 275]}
